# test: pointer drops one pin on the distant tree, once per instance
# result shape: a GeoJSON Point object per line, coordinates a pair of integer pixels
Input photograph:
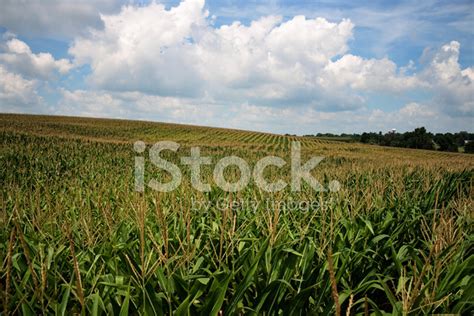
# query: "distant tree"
{"type": "Point", "coordinates": [364, 138]}
{"type": "Point", "coordinates": [371, 138]}
{"type": "Point", "coordinates": [446, 142]}
{"type": "Point", "coordinates": [420, 139]}
{"type": "Point", "coordinates": [461, 137]}
{"type": "Point", "coordinates": [393, 139]}
{"type": "Point", "coordinates": [469, 147]}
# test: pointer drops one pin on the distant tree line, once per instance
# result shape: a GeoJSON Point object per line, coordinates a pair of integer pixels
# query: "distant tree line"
{"type": "Point", "coordinates": [418, 138]}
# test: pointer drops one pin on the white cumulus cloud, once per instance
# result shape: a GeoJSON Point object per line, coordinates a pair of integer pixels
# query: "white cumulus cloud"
{"type": "Point", "coordinates": [17, 56]}
{"type": "Point", "coordinates": [17, 94]}
{"type": "Point", "coordinates": [54, 18]}
{"type": "Point", "coordinates": [452, 86]}
{"type": "Point", "coordinates": [369, 75]}
{"type": "Point", "coordinates": [178, 52]}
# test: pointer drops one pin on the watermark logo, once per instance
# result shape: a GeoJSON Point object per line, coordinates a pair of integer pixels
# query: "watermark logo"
{"type": "Point", "coordinates": [300, 172]}
{"type": "Point", "coordinates": [253, 205]}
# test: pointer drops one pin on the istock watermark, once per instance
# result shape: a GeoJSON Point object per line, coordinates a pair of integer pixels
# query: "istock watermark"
{"type": "Point", "coordinates": [253, 205]}
{"type": "Point", "coordinates": [299, 172]}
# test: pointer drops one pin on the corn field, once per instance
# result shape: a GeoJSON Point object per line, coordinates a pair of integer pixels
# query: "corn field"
{"type": "Point", "coordinates": [76, 238]}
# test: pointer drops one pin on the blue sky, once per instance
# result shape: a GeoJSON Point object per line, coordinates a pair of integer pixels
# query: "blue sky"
{"type": "Point", "coordinates": [280, 66]}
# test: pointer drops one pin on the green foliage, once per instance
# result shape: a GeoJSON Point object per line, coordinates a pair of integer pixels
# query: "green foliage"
{"type": "Point", "coordinates": [419, 139]}
{"type": "Point", "coordinates": [469, 147]}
